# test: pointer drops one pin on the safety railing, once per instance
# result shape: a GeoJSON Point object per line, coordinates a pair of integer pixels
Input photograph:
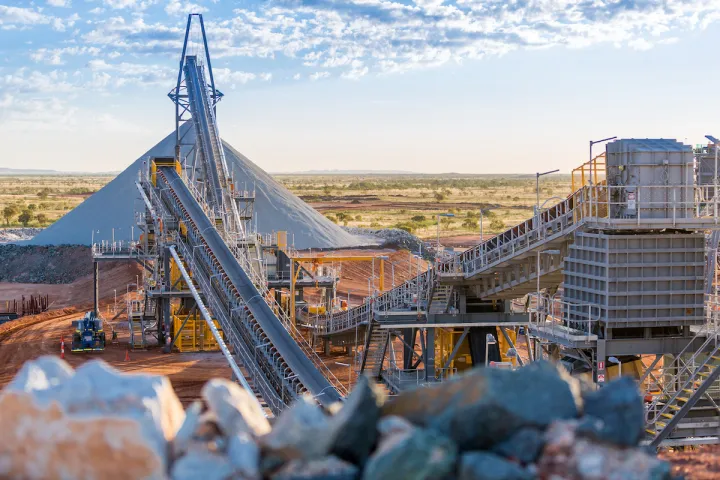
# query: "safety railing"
{"type": "Point", "coordinates": [106, 248]}
{"type": "Point", "coordinates": [679, 373]}
{"type": "Point", "coordinates": [558, 318]}
{"type": "Point", "coordinates": [613, 205]}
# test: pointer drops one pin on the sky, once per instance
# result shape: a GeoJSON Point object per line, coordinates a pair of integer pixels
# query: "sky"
{"type": "Point", "coordinates": [432, 86]}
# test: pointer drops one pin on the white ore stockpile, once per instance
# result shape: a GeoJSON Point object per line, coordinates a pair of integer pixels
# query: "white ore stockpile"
{"type": "Point", "coordinates": [276, 208]}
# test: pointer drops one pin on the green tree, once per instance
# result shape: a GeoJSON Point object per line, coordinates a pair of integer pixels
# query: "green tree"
{"type": "Point", "coordinates": [497, 225]}
{"type": "Point", "coordinates": [418, 218]}
{"type": "Point", "coordinates": [41, 218]}
{"type": "Point", "coordinates": [32, 207]}
{"type": "Point", "coordinates": [43, 194]}
{"type": "Point", "coordinates": [25, 217]}
{"type": "Point", "coordinates": [9, 212]}
{"type": "Point", "coordinates": [439, 196]}
{"type": "Point", "coordinates": [471, 224]}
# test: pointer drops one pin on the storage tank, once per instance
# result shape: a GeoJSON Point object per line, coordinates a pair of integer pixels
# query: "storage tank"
{"type": "Point", "coordinates": [650, 178]}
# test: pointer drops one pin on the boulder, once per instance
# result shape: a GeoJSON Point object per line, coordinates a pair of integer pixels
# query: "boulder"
{"type": "Point", "coordinates": [487, 405]}
{"type": "Point", "coordinates": [202, 464]}
{"type": "Point", "coordinates": [236, 409]}
{"type": "Point", "coordinates": [244, 456]}
{"type": "Point", "coordinates": [614, 413]}
{"type": "Point", "coordinates": [488, 466]}
{"type": "Point", "coordinates": [119, 425]}
{"type": "Point", "coordinates": [569, 456]}
{"type": "Point", "coordinates": [353, 427]}
{"type": "Point", "coordinates": [186, 433]}
{"type": "Point", "coordinates": [408, 452]}
{"type": "Point", "coordinates": [300, 432]}
{"type": "Point", "coordinates": [524, 445]}
{"type": "Point", "coordinates": [328, 468]}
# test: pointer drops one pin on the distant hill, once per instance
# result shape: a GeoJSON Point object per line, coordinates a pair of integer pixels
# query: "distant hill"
{"type": "Point", "coordinates": [27, 171]}
{"type": "Point", "coordinates": [30, 171]}
{"type": "Point", "coordinates": [347, 172]}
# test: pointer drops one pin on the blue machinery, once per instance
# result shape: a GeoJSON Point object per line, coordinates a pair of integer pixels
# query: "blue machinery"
{"type": "Point", "coordinates": [618, 269]}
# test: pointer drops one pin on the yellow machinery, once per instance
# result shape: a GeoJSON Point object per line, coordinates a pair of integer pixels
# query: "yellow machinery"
{"type": "Point", "coordinates": [156, 162]}
{"type": "Point", "coordinates": [445, 340]}
{"type": "Point", "coordinates": [196, 335]}
{"type": "Point", "coordinates": [504, 346]}
{"type": "Point", "coordinates": [176, 277]}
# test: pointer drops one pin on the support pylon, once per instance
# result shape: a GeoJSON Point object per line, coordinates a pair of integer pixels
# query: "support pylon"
{"type": "Point", "coordinates": [127, 355]}
{"type": "Point", "coordinates": [62, 347]}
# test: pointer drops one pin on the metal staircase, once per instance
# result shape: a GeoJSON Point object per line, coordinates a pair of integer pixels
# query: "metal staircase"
{"type": "Point", "coordinates": [375, 350]}
{"type": "Point", "coordinates": [691, 379]}
{"type": "Point", "coordinates": [441, 295]}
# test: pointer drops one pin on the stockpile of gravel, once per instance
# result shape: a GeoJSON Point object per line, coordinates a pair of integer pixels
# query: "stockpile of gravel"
{"type": "Point", "coordinates": [488, 424]}
{"type": "Point", "coordinates": [12, 235]}
{"type": "Point", "coordinates": [44, 264]}
{"type": "Point", "coordinates": [395, 238]}
{"type": "Point", "coordinates": [276, 207]}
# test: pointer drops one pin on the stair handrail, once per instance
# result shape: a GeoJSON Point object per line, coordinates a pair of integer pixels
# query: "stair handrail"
{"type": "Point", "coordinates": [710, 329]}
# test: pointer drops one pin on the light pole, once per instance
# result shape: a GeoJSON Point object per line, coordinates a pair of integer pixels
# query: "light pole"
{"type": "Point", "coordinates": [438, 229]}
{"type": "Point", "coordinates": [481, 226]}
{"type": "Point", "coordinates": [593, 142]}
{"type": "Point", "coordinates": [537, 186]}
{"type": "Point", "coordinates": [489, 340]}
{"type": "Point", "coordinates": [615, 360]}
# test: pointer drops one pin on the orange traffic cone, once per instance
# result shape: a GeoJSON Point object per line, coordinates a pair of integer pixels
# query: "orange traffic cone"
{"type": "Point", "coordinates": [127, 355]}
{"type": "Point", "coordinates": [62, 347]}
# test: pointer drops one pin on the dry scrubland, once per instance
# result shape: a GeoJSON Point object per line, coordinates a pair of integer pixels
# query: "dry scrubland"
{"type": "Point", "coordinates": [40, 200]}
{"type": "Point", "coordinates": [411, 202]}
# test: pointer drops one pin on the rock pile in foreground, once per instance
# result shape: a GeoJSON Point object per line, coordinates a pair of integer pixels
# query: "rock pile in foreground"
{"type": "Point", "coordinates": [486, 424]}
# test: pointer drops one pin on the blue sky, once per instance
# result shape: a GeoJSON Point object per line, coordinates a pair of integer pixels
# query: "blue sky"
{"type": "Point", "coordinates": [426, 85]}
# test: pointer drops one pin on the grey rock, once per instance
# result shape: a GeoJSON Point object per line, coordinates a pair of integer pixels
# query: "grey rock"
{"type": "Point", "coordinates": [300, 432]}
{"type": "Point", "coordinates": [486, 405]}
{"type": "Point", "coordinates": [614, 413]}
{"type": "Point", "coordinates": [411, 453]}
{"type": "Point", "coordinates": [244, 456]}
{"type": "Point", "coordinates": [328, 468]}
{"type": "Point", "coordinates": [524, 445]}
{"type": "Point", "coordinates": [488, 466]}
{"type": "Point", "coordinates": [568, 454]}
{"type": "Point", "coordinates": [353, 427]}
{"type": "Point", "coordinates": [187, 430]}
{"type": "Point", "coordinates": [236, 409]}
{"type": "Point", "coordinates": [202, 464]}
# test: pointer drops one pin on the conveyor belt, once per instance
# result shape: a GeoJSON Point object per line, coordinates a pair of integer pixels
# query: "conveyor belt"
{"type": "Point", "coordinates": [313, 380]}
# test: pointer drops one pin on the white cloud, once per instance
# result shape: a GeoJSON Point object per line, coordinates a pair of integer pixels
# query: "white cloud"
{"type": "Point", "coordinates": [297, 76]}
{"type": "Point", "coordinates": [35, 81]}
{"type": "Point", "coordinates": [132, 4]}
{"type": "Point", "coordinates": [54, 56]}
{"type": "Point", "coordinates": [59, 3]}
{"type": "Point", "coordinates": [265, 77]}
{"type": "Point", "coordinates": [33, 114]}
{"type": "Point", "coordinates": [177, 7]}
{"type": "Point", "coordinates": [319, 75]}
{"type": "Point", "coordinates": [16, 17]}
